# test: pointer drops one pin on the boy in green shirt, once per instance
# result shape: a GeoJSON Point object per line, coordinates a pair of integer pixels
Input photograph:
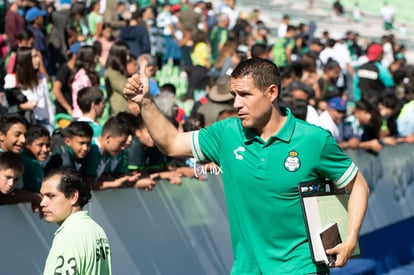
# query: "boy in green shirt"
{"type": "Point", "coordinates": [107, 164]}
{"type": "Point", "coordinates": [71, 153]}
{"type": "Point", "coordinates": [11, 169]}
{"type": "Point", "coordinates": [36, 152]}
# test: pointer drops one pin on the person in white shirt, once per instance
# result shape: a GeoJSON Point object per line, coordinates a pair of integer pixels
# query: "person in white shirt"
{"type": "Point", "coordinates": [282, 29]}
{"type": "Point", "coordinates": [33, 86]}
{"type": "Point", "coordinates": [387, 14]}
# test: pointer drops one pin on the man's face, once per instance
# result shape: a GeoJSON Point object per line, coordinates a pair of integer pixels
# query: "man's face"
{"type": "Point", "coordinates": [80, 145]}
{"type": "Point", "coordinates": [115, 144]}
{"type": "Point", "coordinates": [253, 106]}
{"type": "Point", "coordinates": [55, 206]}
{"type": "Point", "coordinates": [14, 139]}
{"type": "Point", "coordinates": [8, 180]}
{"type": "Point", "coordinates": [40, 148]}
{"type": "Point", "coordinates": [337, 116]}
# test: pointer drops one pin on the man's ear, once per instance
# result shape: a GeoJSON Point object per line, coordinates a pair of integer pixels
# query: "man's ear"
{"type": "Point", "coordinates": [67, 140]}
{"type": "Point", "coordinates": [107, 138]}
{"type": "Point", "coordinates": [74, 198]}
{"type": "Point", "coordinates": [273, 92]}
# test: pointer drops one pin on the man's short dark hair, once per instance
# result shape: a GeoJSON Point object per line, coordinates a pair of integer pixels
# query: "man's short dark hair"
{"type": "Point", "coordinates": [70, 182]}
{"type": "Point", "coordinates": [8, 120]}
{"type": "Point", "coordinates": [263, 72]}
{"type": "Point", "coordinates": [116, 126]}
{"type": "Point", "coordinates": [34, 132]}
{"type": "Point", "coordinates": [10, 160]}
{"type": "Point", "coordinates": [87, 96]}
{"type": "Point", "coordinates": [78, 129]}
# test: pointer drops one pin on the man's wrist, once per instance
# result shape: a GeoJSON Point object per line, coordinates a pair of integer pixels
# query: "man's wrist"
{"type": "Point", "coordinates": [145, 101]}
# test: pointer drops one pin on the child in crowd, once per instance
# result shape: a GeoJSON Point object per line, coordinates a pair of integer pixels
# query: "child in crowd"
{"type": "Point", "coordinates": [362, 128]}
{"type": "Point", "coordinates": [91, 101]}
{"type": "Point", "coordinates": [73, 149]}
{"type": "Point", "coordinates": [13, 129]}
{"type": "Point", "coordinates": [106, 163]}
{"type": "Point", "coordinates": [84, 75]}
{"type": "Point", "coordinates": [35, 154]}
{"type": "Point", "coordinates": [34, 85]}
{"type": "Point", "coordinates": [145, 158]}
{"type": "Point", "coordinates": [11, 169]}
{"type": "Point", "coordinates": [132, 65]}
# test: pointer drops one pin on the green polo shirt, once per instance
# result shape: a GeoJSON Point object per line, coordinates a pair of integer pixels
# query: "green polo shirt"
{"type": "Point", "coordinates": [80, 246]}
{"type": "Point", "coordinates": [260, 181]}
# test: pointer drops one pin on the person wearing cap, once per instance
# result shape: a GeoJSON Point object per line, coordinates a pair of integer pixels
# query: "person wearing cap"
{"type": "Point", "coordinates": [333, 117]}
{"type": "Point", "coordinates": [263, 154]}
{"type": "Point", "coordinates": [34, 19]}
{"type": "Point", "coordinates": [219, 99]}
{"type": "Point", "coordinates": [372, 80]}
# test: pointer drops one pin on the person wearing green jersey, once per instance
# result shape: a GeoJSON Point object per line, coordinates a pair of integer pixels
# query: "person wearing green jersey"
{"type": "Point", "coordinates": [263, 154]}
{"type": "Point", "coordinates": [80, 245]}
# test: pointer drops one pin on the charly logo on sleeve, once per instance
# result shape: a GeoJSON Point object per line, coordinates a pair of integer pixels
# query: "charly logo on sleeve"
{"type": "Point", "coordinates": [292, 161]}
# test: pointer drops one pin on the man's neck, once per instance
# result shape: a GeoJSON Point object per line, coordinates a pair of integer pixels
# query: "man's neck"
{"type": "Point", "coordinates": [273, 125]}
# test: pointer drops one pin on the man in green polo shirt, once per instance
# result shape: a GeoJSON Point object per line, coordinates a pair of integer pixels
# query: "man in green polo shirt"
{"type": "Point", "coordinates": [80, 245]}
{"type": "Point", "coordinates": [263, 155]}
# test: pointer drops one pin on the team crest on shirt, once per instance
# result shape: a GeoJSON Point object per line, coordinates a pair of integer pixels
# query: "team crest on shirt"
{"type": "Point", "coordinates": [292, 162]}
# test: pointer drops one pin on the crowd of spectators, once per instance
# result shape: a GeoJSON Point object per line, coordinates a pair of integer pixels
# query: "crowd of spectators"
{"type": "Point", "coordinates": [65, 64]}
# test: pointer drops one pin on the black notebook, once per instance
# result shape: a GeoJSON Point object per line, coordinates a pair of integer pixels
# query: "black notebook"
{"type": "Point", "coordinates": [325, 211]}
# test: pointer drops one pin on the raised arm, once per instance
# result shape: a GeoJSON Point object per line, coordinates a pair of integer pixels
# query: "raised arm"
{"type": "Point", "coordinates": [167, 138]}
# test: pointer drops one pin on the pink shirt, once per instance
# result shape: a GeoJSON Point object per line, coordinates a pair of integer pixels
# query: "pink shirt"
{"type": "Point", "coordinates": [81, 80]}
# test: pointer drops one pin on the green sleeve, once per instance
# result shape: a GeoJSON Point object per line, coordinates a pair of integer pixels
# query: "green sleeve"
{"type": "Point", "coordinates": [206, 143]}
{"type": "Point", "coordinates": [335, 165]}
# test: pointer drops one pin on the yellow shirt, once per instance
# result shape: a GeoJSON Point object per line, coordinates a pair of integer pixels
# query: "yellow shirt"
{"type": "Point", "coordinates": [200, 54]}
